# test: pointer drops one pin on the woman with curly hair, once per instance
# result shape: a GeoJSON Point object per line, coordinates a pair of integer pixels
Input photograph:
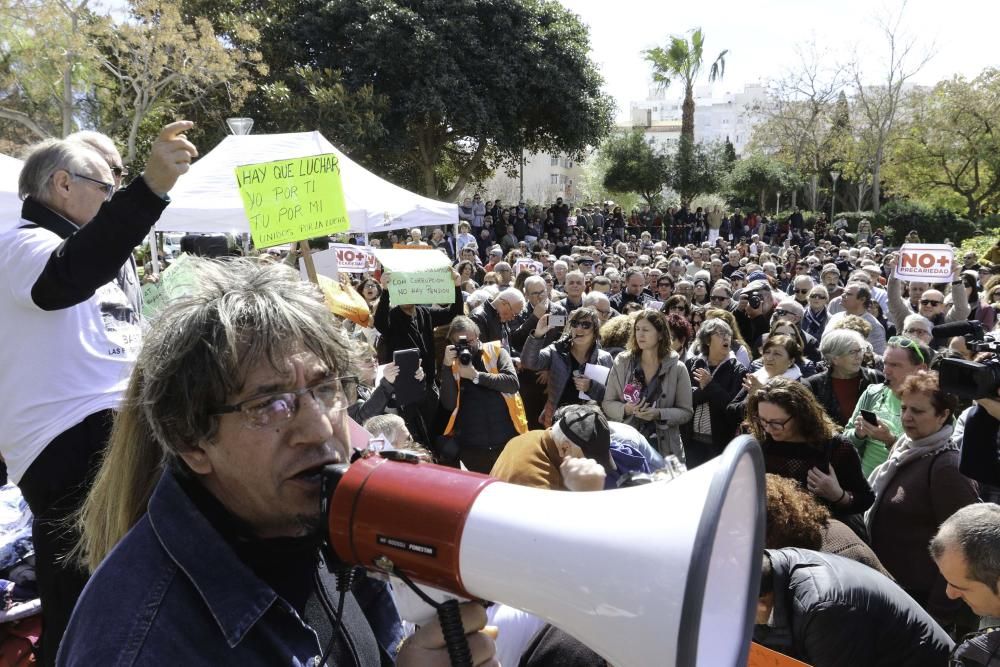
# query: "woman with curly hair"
{"type": "Point", "coordinates": [649, 388]}
{"type": "Point", "coordinates": [796, 519]}
{"type": "Point", "coordinates": [678, 304]}
{"type": "Point", "coordinates": [616, 332]}
{"type": "Point", "coordinates": [801, 442]}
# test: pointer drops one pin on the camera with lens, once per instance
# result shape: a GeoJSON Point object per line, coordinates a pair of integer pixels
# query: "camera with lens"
{"type": "Point", "coordinates": [969, 379]}
{"type": "Point", "coordinates": [754, 300]}
{"type": "Point", "coordinates": [463, 351]}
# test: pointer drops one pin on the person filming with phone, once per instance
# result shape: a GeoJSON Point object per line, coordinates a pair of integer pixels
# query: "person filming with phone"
{"type": "Point", "coordinates": [479, 389]}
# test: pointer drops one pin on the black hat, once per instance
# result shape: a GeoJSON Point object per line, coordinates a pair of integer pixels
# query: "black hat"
{"type": "Point", "coordinates": [587, 429]}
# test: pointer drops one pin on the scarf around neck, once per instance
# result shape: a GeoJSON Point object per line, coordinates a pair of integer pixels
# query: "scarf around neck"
{"type": "Point", "coordinates": [903, 452]}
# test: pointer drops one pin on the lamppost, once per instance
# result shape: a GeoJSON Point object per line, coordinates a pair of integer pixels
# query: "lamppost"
{"type": "Point", "coordinates": [240, 125]}
{"type": "Point", "coordinates": [833, 197]}
{"type": "Point", "coordinates": [777, 204]}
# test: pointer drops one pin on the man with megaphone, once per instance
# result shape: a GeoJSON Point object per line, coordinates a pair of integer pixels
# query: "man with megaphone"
{"type": "Point", "coordinates": [206, 514]}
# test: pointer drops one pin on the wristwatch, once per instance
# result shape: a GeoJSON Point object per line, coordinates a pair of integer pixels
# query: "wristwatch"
{"type": "Point", "coordinates": [475, 380]}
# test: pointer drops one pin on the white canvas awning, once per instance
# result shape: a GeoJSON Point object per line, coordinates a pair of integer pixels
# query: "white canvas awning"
{"type": "Point", "coordinates": [206, 198]}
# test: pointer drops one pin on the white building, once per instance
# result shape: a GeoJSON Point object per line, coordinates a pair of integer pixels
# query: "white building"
{"type": "Point", "coordinates": [546, 176]}
{"type": "Point", "coordinates": [716, 118]}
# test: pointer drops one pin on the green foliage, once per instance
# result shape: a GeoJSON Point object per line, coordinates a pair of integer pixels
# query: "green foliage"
{"type": "Point", "coordinates": [933, 225]}
{"type": "Point", "coordinates": [699, 169]}
{"type": "Point", "coordinates": [635, 165]}
{"type": "Point", "coordinates": [757, 176]}
{"type": "Point", "coordinates": [949, 150]}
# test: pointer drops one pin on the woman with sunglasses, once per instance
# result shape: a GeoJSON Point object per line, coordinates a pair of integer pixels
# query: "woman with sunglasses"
{"type": "Point", "coordinates": [567, 359]}
{"type": "Point", "coordinates": [801, 442]}
{"type": "Point", "coordinates": [649, 388]}
{"type": "Point", "coordinates": [678, 304]}
{"type": "Point", "coordinates": [700, 294]}
{"type": "Point", "coordinates": [816, 315]}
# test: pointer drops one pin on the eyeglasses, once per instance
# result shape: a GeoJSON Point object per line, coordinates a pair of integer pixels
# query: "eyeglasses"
{"type": "Point", "coordinates": [107, 188]}
{"type": "Point", "coordinates": [720, 299]}
{"type": "Point", "coordinates": [817, 296]}
{"type": "Point", "coordinates": [262, 411]}
{"type": "Point", "coordinates": [781, 312]}
{"type": "Point", "coordinates": [917, 332]}
{"type": "Point", "coordinates": [802, 291]}
{"type": "Point", "coordinates": [930, 302]}
{"type": "Point", "coordinates": [773, 424]}
{"type": "Point", "coordinates": [119, 172]}
{"type": "Point", "coordinates": [903, 341]}
{"type": "Point", "coordinates": [581, 324]}
{"type": "Point", "coordinates": [532, 294]}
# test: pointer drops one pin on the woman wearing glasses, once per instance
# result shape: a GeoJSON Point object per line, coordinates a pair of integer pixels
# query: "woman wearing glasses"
{"type": "Point", "coordinates": [846, 378]}
{"type": "Point", "coordinates": [800, 442]}
{"type": "Point", "coordinates": [916, 489]}
{"type": "Point", "coordinates": [567, 359]}
{"type": "Point", "coordinates": [649, 388]}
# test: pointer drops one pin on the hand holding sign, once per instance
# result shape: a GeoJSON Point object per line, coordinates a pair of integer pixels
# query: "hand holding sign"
{"type": "Point", "coordinates": [925, 262]}
{"type": "Point", "coordinates": [169, 157]}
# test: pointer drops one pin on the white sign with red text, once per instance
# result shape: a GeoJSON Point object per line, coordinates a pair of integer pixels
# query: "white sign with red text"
{"type": "Point", "coordinates": [354, 258]}
{"type": "Point", "coordinates": [925, 262]}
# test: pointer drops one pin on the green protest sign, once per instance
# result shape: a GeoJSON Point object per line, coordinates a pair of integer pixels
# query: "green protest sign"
{"type": "Point", "coordinates": [418, 276]}
{"type": "Point", "coordinates": [176, 280]}
{"type": "Point", "coordinates": [293, 200]}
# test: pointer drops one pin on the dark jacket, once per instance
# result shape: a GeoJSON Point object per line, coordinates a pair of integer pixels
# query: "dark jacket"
{"type": "Point", "coordinates": [725, 385]}
{"type": "Point", "coordinates": [402, 332]}
{"type": "Point", "coordinates": [491, 328]}
{"type": "Point", "coordinates": [175, 592]}
{"type": "Point", "coordinates": [980, 649]}
{"type": "Point", "coordinates": [822, 386]}
{"type": "Point", "coordinates": [555, 358]}
{"type": "Point", "coordinates": [833, 612]}
{"type": "Point", "coordinates": [623, 298]}
{"type": "Point", "coordinates": [483, 419]}
{"type": "Point", "coordinates": [525, 325]}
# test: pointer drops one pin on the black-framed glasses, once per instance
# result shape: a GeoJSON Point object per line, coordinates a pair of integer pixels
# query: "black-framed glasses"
{"type": "Point", "coordinates": [107, 188]}
{"type": "Point", "coordinates": [775, 424]}
{"type": "Point", "coordinates": [903, 341]}
{"type": "Point", "coordinates": [720, 299]}
{"type": "Point", "coordinates": [336, 393]}
{"type": "Point", "coordinates": [120, 172]}
{"type": "Point", "coordinates": [582, 324]}
{"type": "Point", "coordinates": [817, 296]}
{"type": "Point", "coordinates": [802, 291]}
{"type": "Point", "coordinates": [930, 302]}
{"type": "Point", "coordinates": [781, 312]}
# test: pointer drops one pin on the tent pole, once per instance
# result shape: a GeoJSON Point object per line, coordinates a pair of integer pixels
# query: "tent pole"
{"type": "Point", "coordinates": [154, 253]}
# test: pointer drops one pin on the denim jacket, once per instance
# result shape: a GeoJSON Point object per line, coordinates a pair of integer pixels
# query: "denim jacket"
{"type": "Point", "coordinates": [173, 592]}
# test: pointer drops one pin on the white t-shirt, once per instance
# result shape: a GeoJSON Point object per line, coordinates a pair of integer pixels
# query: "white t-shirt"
{"type": "Point", "coordinates": [58, 366]}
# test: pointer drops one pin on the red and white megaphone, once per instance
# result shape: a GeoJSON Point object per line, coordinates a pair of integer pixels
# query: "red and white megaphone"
{"type": "Point", "coordinates": [661, 574]}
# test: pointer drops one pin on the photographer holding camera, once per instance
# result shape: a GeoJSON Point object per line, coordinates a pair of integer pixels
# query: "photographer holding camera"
{"type": "Point", "coordinates": [753, 315]}
{"type": "Point", "coordinates": [479, 388]}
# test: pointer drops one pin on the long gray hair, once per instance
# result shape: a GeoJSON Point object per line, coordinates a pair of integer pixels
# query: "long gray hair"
{"type": "Point", "coordinates": [197, 354]}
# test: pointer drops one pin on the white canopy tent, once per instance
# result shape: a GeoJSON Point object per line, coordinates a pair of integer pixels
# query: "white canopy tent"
{"type": "Point", "coordinates": [10, 204]}
{"type": "Point", "coordinates": [206, 199]}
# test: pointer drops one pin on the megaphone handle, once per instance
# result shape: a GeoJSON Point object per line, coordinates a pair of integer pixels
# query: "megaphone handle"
{"type": "Point", "coordinates": [450, 617]}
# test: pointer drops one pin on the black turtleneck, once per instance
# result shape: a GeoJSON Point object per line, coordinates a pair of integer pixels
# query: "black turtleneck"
{"type": "Point", "coordinates": [286, 564]}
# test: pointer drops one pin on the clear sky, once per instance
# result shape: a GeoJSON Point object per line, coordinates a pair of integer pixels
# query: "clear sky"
{"type": "Point", "coordinates": [762, 35]}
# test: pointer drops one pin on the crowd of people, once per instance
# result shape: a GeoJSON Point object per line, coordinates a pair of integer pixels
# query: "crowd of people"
{"type": "Point", "coordinates": [173, 467]}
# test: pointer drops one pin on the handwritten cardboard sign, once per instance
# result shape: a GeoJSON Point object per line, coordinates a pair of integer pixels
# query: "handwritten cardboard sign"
{"type": "Point", "coordinates": [293, 200]}
{"type": "Point", "coordinates": [418, 277]}
{"type": "Point", "coordinates": [176, 280]}
{"type": "Point", "coordinates": [925, 262]}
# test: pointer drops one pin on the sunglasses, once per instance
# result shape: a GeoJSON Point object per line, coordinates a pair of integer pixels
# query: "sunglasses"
{"type": "Point", "coordinates": [903, 341]}
{"type": "Point", "coordinates": [720, 299]}
{"type": "Point", "coordinates": [802, 291]}
{"type": "Point", "coordinates": [582, 324]}
{"type": "Point", "coordinates": [781, 312]}
{"type": "Point", "coordinates": [930, 302]}
{"type": "Point", "coordinates": [817, 296]}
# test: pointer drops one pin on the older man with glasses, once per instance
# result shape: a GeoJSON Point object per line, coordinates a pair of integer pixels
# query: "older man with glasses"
{"type": "Point", "coordinates": [67, 297]}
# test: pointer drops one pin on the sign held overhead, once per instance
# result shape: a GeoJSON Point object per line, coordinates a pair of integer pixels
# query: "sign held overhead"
{"type": "Point", "coordinates": [293, 200]}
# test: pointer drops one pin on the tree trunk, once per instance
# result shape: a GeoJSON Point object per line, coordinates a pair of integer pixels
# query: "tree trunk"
{"type": "Point", "coordinates": [761, 209]}
{"type": "Point", "coordinates": [861, 195]}
{"type": "Point", "coordinates": [687, 113]}
{"type": "Point", "coordinates": [876, 181]}
{"type": "Point", "coordinates": [66, 100]}
{"type": "Point", "coordinates": [814, 192]}
{"type": "Point", "coordinates": [795, 198]}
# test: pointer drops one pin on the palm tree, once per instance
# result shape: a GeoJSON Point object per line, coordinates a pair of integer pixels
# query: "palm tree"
{"type": "Point", "coordinates": [682, 59]}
